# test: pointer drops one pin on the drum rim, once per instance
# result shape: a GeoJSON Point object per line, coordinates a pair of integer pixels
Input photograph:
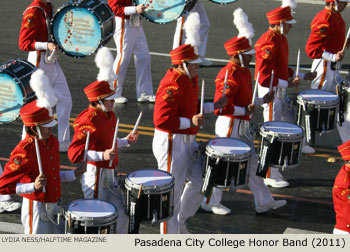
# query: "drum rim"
{"type": "Point", "coordinates": [228, 156]}
{"type": "Point", "coordinates": [150, 189]}
{"type": "Point", "coordinates": [321, 104]}
{"type": "Point", "coordinates": [102, 41]}
{"type": "Point", "coordinates": [92, 221]}
{"type": "Point", "coordinates": [282, 136]}
{"type": "Point", "coordinates": [233, 1]}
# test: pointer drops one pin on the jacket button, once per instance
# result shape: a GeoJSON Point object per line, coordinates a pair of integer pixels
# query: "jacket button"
{"type": "Point", "coordinates": [50, 157]}
{"type": "Point", "coordinates": [55, 188]}
{"type": "Point", "coordinates": [54, 178]}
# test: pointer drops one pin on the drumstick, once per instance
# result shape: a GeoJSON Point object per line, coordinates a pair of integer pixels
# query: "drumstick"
{"type": "Point", "coordinates": [298, 63]}
{"type": "Point", "coordinates": [255, 90]}
{"type": "Point", "coordinates": [346, 39]}
{"type": "Point", "coordinates": [317, 65]}
{"type": "Point", "coordinates": [140, 190]}
{"type": "Point", "coordinates": [114, 140]}
{"type": "Point", "coordinates": [86, 145]}
{"type": "Point", "coordinates": [225, 85]}
{"type": "Point", "coordinates": [202, 97]}
{"type": "Point", "coordinates": [49, 58]}
{"type": "Point", "coordinates": [271, 82]}
{"type": "Point", "coordinates": [39, 159]}
{"type": "Point", "coordinates": [137, 122]}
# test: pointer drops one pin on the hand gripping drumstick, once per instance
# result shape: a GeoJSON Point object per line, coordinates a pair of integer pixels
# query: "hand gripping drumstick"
{"type": "Point", "coordinates": [114, 139]}
{"type": "Point", "coordinates": [39, 159]}
{"type": "Point", "coordinates": [255, 90]}
{"type": "Point", "coordinates": [225, 85]}
{"type": "Point", "coordinates": [50, 57]}
{"type": "Point", "coordinates": [86, 145]}
{"type": "Point", "coordinates": [137, 122]}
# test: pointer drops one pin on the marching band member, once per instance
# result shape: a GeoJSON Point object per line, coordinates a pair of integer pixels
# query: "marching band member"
{"type": "Point", "coordinates": [99, 120]}
{"type": "Point", "coordinates": [341, 193]}
{"type": "Point", "coordinates": [130, 39]}
{"type": "Point", "coordinates": [21, 174]}
{"type": "Point", "coordinates": [325, 46]}
{"type": "Point", "coordinates": [272, 55]}
{"type": "Point", "coordinates": [34, 37]}
{"type": "Point", "coordinates": [233, 119]}
{"type": "Point", "coordinates": [6, 204]}
{"type": "Point", "coordinates": [177, 120]}
{"type": "Point", "coordinates": [179, 36]}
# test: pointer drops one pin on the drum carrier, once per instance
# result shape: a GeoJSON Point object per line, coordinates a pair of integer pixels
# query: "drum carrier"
{"type": "Point", "coordinates": [227, 164]}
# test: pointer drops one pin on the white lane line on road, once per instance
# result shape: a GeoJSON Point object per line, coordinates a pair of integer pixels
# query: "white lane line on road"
{"type": "Point", "coordinates": [320, 2]}
{"type": "Point", "coordinates": [219, 60]}
{"type": "Point", "coordinates": [13, 228]}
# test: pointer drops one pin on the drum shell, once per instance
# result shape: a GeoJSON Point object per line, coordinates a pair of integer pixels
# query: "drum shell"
{"type": "Point", "coordinates": [90, 225]}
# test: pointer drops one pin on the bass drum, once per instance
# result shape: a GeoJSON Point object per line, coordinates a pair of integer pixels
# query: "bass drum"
{"type": "Point", "coordinates": [81, 27]}
{"type": "Point", "coordinates": [162, 12]}
{"type": "Point", "coordinates": [223, 1]}
{"type": "Point", "coordinates": [15, 90]}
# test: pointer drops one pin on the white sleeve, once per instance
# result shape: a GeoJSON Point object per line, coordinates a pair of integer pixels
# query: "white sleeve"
{"type": "Point", "coordinates": [239, 111]}
{"type": "Point", "coordinates": [40, 46]}
{"type": "Point", "coordinates": [67, 176]}
{"type": "Point", "coordinates": [94, 155]}
{"type": "Point", "coordinates": [328, 56]}
{"type": "Point", "coordinates": [259, 101]}
{"type": "Point", "coordinates": [122, 142]}
{"type": "Point", "coordinates": [208, 107]}
{"type": "Point", "coordinates": [130, 10]}
{"type": "Point", "coordinates": [24, 188]}
{"type": "Point", "coordinates": [282, 83]}
{"type": "Point", "coordinates": [185, 123]}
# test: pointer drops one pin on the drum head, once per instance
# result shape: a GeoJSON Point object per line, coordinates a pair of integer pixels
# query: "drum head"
{"type": "Point", "coordinates": [223, 1]}
{"type": "Point", "coordinates": [150, 178]}
{"type": "Point", "coordinates": [162, 12]}
{"type": "Point", "coordinates": [76, 31]}
{"type": "Point", "coordinates": [228, 147]}
{"type": "Point", "coordinates": [90, 208]}
{"type": "Point", "coordinates": [281, 129]}
{"type": "Point", "coordinates": [317, 97]}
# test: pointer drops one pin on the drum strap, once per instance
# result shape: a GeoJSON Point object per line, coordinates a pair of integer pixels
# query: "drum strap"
{"type": "Point", "coordinates": [307, 122]}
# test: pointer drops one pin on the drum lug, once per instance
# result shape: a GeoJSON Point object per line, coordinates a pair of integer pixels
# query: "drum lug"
{"type": "Point", "coordinates": [285, 164]}
{"type": "Point", "coordinates": [155, 217]}
{"type": "Point", "coordinates": [217, 161]}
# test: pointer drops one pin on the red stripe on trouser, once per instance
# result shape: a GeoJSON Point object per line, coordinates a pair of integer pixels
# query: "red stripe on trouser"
{"type": "Point", "coordinates": [170, 149]}
{"type": "Point", "coordinates": [121, 52]}
{"type": "Point", "coordinates": [30, 216]}
{"type": "Point", "coordinates": [268, 173]}
{"type": "Point", "coordinates": [38, 56]}
{"type": "Point", "coordinates": [97, 182]}
{"type": "Point", "coordinates": [323, 75]}
{"type": "Point", "coordinates": [270, 110]}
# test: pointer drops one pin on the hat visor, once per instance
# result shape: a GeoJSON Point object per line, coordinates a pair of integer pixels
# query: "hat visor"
{"type": "Point", "coordinates": [51, 124]}
{"type": "Point", "coordinates": [195, 61]}
{"type": "Point", "coordinates": [252, 51]}
{"type": "Point", "coordinates": [111, 97]}
{"type": "Point", "coordinates": [292, 21]}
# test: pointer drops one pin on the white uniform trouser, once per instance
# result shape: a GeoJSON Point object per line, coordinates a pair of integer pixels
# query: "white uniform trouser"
{"type": "Point", "coordinates": [59, 84]}
{"type": "Point", "coordinates": [132, 40]}
{"type": "Point", "coordinates": [262, 194]}
{"type": "Point", "coordinates": [32, 222]}
{"type": "Point", "coordinates": [203, 30]}
{"type": "Point", "coordinates": [328, 76]}
{"type": "Point", "coordinates": [171, 149]}
{"type": "Point", "coordinates": [3, 197]}
{"type": "Point", "coordinates": [88, 181]}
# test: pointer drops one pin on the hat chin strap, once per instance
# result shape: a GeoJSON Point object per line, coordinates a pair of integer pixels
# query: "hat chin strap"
{"type": "Point", "coordinates": [281, 27]}
{"type": "Point", "coordinates": [186, 70]}
{"type": "Point", "coordinates": [336, 6]}
{"type": "Point", "coordinates": [102, 105]}
{"type": "Point", "coordinates": [39, 132]}
{"type": "Point", "coordinates": [241, 59]}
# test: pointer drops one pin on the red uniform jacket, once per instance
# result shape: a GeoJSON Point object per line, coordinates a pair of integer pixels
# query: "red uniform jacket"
{"type": "Point", "coordinates": [238, 89]}
{"type": "Point", "coordinates": [34, 27]}
{"type": "Point", "coordinates": [101, 126]}
{"type": "Point", "coordinates": [272, 54]}
{"type": "Point", "coordinates": [118, 7]}
{"type": "Point", "coordinates": [327, 34]}
{"type": "Point", "coordinates": [23, 168]}
{"type": "Point", "coordinates": [341, 198]}
{"type": "Point", "coordinates": [177, 96]}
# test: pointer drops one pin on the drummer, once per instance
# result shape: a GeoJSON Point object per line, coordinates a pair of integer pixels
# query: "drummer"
{"type": "Point", "coordinates": [21, 174]}
{"type": "Point", "coordinates": [130, 39]}
{"type": "Point", "coordinates": [237, 112]}
{"type": "Point", "coordinates": [325, 46]}
{"type": "Point", "coordinates": [177, 119]}
{"type": "Point", "coordinates": [272, 55]}
{"type": "Point", "coordinates": [33, 38]}
{"type": "Point", "coordinates": [100, 182]}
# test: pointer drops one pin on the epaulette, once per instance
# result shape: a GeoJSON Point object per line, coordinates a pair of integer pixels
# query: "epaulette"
{"type": "Point", "coordinates": [270, 36]}
{"type": "Point", "coordinates": [91, 115]}
{"type": "Point", "coordinates": [26, 142]}
{"type": "Point", "coordinates": [327, 15]}
{"type": "Point", "coordinates": [176, 76]}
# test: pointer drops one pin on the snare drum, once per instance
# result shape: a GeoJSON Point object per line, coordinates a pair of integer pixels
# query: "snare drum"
{"type": "Point", "coordinates": [317, 111]}
{"type": "Point", "coordinates": [80, 28]}
{"type": "Point", "coordinates": [153, 192]}
{"type": "Point", "coordinates": [162, 12]}
{"type": "Point", "coordinates": [90, 216]}
{"type": "Point", "coordinates": [15, 90]}
{"type": "Point", "coordinates": [227, 164]}
{"type": "Point", "coordinates": [280, 145]}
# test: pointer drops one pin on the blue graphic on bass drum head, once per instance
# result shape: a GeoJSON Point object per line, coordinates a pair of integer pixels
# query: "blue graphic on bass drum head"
{"type": "Point", "coordinates": [223, 1]}
{"type": "Point", "coordinates": [77, 31]}
{"type": "Point", "coordinates": [11, 98]}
